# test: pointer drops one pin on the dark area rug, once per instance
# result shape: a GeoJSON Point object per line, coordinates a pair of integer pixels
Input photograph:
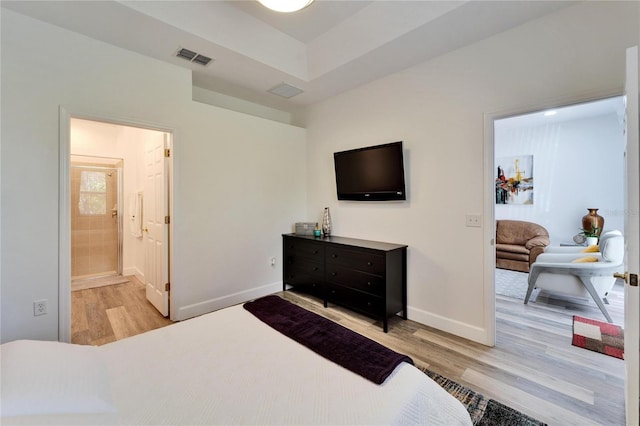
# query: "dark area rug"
{"type": "Point", "coordinates": [483, 411]}
{"type": "Point", "coordinates": [598, 336]}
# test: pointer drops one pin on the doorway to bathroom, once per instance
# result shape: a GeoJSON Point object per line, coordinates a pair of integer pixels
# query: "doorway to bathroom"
{"type": "Point", "coordinates": [96, 221]}
{"type": "Point", "coordinates": [119, 181]}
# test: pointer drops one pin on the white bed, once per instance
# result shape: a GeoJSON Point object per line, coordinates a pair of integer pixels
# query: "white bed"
{"type": "Point", "coordinates": [226, 367]}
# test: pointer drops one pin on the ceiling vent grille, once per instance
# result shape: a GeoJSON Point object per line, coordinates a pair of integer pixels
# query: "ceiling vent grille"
{"type": "Point", "coordinates": [192, 56]}
{"type": "Point", "coordinates": [285, 90]}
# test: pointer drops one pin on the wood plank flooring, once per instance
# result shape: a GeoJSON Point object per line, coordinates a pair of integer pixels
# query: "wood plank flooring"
{"type": "Point", "coordinates": [106, 314]}
{"type": "Point", "coordinates": [533, 367]}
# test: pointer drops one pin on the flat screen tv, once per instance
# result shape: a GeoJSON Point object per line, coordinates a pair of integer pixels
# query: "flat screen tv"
{"type": "Point", "coordinates": [374, 173]}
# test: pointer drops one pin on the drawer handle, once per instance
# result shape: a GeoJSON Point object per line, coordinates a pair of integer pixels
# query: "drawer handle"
{"type": "Point", "coordinates": [368, 303]}
{"type": "Point", "coordinates": [369, 263]}
{"type": "Point", "coordinates": [315, 269]}
{"type": "Point", "coordinates": [369, 283]}
{"type": "Point", "coordinates": [333, 292]}
{"type": "Point", "coordinates": [315, 252]}
{"type": "Point", "coordinates": [334, 255]}
{"type": "Point", "coordinates": [333, 274]}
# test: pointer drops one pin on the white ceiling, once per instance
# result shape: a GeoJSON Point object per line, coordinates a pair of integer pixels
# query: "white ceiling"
{"type": "Point", "coordinates": [613, 105]}
{"type": "Point", "coordinates": [329, 47]}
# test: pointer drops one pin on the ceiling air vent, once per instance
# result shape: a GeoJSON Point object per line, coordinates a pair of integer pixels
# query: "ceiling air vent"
{"type": "Point", "coordinates": [192, 56]}
{"type": "Point", "coordinates": [285, 90]}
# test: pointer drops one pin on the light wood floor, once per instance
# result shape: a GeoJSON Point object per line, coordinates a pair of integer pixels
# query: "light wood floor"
{"type": "Point", "coordinates": [106, 314]}
{"type": "Point", "coordinates": [533, 367]}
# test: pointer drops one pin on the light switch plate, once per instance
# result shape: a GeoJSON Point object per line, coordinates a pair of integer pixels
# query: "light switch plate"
{"type": "Point", "coordinates": [474, 220]}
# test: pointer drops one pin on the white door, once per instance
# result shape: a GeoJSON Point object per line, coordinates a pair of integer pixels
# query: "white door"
{"type": "Point", "coordinates": [156, 228]}
{"type": "Point", "coordinates": [632, 230]}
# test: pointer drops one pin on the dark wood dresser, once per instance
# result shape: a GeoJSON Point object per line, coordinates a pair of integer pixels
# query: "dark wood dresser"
{"type": "Point", "coordinates": [369, 277]}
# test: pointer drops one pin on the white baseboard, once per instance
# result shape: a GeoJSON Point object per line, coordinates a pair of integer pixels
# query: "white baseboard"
{"type": "Point", "coordinates": [458, 328]}
{"type": "Point", "coordinates": [466, 331]}
{"type": "Point", "coordinates": [190, 311]}
{"type": "Point", "coordinates": [133, 271]}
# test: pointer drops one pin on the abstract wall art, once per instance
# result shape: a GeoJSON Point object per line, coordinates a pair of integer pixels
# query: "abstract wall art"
{"type": "Point", "coordinates": [514, 180]}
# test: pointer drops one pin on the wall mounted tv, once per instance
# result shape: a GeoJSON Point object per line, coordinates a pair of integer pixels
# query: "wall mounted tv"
{"type": "Point", "coordinates": [374, 173]}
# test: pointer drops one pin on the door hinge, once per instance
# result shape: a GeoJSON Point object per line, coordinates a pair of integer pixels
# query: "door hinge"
{"type": "Point", "coordinates": [167, 152]}
{"type": "Point", "coordinates": [167, 220]}
{"type": "Point", "coordinates": [167, 287]}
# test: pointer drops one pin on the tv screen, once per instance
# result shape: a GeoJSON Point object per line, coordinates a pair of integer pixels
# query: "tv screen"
{"type": "Point", "coordinates": [374, 173]}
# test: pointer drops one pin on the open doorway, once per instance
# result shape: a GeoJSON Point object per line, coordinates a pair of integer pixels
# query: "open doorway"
{"type": "Point", "coordinates": [117, 180]}
{"type": "Point", "coordinates": [550, 167]}
{"type": "Point", "coordinates": [533, 342]}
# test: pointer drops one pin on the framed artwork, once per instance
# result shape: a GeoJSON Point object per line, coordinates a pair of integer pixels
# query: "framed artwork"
{"type": "Point", "coordinates": [514, 180]}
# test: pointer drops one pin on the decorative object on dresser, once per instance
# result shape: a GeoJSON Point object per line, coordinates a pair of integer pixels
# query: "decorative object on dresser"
{"type": "Point", "coordinates": [305, 228]}
{"type": "Point", "coordinates": [369, 277]}
{"type": "Point", "coordinates": [326, 222]}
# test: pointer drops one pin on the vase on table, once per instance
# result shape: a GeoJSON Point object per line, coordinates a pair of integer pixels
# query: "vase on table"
{"type": "Point", "coordinates": [593, 220]}
{"type": "Point", "coordinates": [326, 222]}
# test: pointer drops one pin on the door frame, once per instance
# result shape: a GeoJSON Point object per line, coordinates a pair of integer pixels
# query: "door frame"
{"type": "Point", "coordinates": [65, 114]}
{"type": "Point", "coordinates": [489, 224]}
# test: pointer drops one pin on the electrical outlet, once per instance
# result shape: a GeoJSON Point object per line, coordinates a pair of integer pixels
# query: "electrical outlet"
{"type": "Point", "coordinates": [474, 220]}
{"type": "Point", "coordinates": [39, 307]}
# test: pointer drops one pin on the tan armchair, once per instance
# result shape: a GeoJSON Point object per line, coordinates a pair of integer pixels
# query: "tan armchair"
{"type": "Point", "coordinates": [518, 244]}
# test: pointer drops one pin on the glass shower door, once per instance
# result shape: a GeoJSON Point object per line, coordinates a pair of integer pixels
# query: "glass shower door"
{"type": "Point", "coordinates": [94, 221]}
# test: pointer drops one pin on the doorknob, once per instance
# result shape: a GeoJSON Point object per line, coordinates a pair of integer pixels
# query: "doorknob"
{"type": "Point", "coordinates": [631, 279]}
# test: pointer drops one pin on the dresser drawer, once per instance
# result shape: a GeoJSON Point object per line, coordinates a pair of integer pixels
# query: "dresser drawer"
{"type": "Point", "coordinates": [357, 300]}
{"type": "Point", "coordinates": [299, 265]}
{"type": "Point", "coordinates": [305, 274]}
{"type": "Point", "coordinates": [341, 275]}
{"type": "Point", "coordinates": [304, 248]}
{"type": "Point", "coordinates": [359, 260]}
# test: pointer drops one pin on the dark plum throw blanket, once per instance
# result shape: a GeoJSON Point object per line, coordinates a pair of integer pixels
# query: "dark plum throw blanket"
{"type": "Point", "coordinates": [347, 348]}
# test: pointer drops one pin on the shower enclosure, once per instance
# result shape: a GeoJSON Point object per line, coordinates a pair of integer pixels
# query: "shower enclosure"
{"type": "Point", "coordinates": [96, 223]}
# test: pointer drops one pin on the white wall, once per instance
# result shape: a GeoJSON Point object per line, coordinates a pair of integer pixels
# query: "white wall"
{"type": "Point", "coordinates": [438, 109]}
{"type": "Point", "coordinates": [239, 182]}
{"type": "Point", "coordinates": [577, 164]}
{"type": "Point", "coordinates": [132, 140]}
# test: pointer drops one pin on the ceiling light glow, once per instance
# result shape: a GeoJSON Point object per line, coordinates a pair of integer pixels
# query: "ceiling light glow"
{"type": "Point", "coordinates": [550, 113]}
{"type": "Point", "coordinates": [285, 5]}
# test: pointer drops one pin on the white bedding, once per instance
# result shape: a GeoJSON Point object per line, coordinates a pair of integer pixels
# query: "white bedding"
{"type": "Point", "coordinates": [228, 367]}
